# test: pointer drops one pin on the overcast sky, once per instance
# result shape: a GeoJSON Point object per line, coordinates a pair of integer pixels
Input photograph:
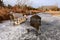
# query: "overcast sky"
{"type": "Point", "coordinates": [35, 3]}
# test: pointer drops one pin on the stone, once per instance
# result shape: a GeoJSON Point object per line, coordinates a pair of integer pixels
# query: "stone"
{"type": "Point", "coordinates": [35, 21]}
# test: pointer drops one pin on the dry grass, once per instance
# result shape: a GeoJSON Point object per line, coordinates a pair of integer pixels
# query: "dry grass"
{"type": "Point", "coordinates": [54, 13]}
{"type": "Point", "coordinates": [4, 11]}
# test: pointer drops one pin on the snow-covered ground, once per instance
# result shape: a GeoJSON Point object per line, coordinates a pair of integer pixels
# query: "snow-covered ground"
{"type": "Point", "coordinates": [50, 29]}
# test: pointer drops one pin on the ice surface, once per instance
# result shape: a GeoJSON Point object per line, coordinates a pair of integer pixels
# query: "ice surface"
{"type": "Point", "coordinates": [50, 29]}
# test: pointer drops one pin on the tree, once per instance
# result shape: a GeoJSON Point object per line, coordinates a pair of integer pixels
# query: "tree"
{"type": "Point", "coordinates": [22, 3]}
{"type": "Point", "coordinates": [1, 3]}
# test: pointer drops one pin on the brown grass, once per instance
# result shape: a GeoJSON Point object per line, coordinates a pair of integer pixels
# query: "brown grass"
{"type": "Point", "coordinates": [54, 13]}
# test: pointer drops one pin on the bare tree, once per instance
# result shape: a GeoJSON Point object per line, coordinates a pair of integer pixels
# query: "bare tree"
{"type": "Point", "coordinates": [1, 3]}
{"type": "Point", "coordinates": [22, 2]}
